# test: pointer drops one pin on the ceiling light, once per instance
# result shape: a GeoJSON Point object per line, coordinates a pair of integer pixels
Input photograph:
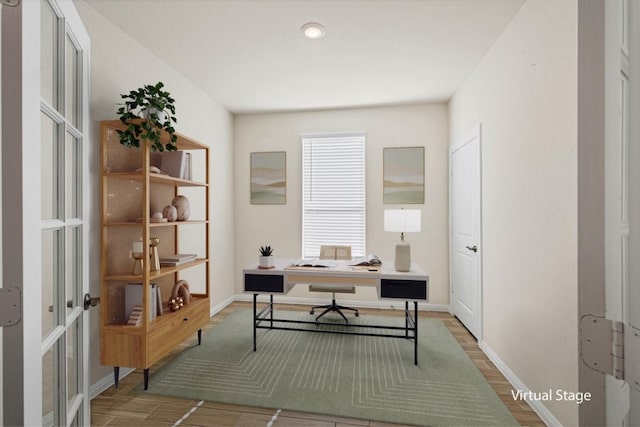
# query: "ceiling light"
{"type": "Point", "coordinates": [313, 30]}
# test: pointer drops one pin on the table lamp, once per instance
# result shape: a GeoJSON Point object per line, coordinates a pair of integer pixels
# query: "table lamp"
{"type": "Point", "coordinates": [404, 221]}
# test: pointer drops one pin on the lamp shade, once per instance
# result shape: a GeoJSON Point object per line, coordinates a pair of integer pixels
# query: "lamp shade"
{"type": "Point", "coordinates": [402, 220]}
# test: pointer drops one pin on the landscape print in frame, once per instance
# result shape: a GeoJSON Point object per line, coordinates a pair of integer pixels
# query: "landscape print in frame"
{"type": "Point", "coordinates": [403, 175]}
{"type": "Point", "coordinates": [269, 178]}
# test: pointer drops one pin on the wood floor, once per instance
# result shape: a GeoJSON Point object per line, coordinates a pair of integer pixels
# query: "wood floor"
{"type": "Point", "coordinates": [125, 407]}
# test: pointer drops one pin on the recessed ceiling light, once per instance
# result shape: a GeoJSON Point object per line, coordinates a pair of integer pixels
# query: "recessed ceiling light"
{"type": "Point", "coordinates": [313, 30]}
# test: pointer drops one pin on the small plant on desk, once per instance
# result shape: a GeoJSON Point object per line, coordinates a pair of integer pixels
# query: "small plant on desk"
{"type": "Point", "coordinates": [266, 258]}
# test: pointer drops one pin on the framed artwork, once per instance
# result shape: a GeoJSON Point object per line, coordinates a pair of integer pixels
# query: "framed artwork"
{"type": "Point", "coordinates": [403, 175]}
{"type": "Point", "coordinates": [269, 178]}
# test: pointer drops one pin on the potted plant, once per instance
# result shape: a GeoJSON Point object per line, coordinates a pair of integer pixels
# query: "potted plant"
{"type": "Point", "coordinates": [266, 258]}
{"type": "Point", "coordinates": [147, 112]}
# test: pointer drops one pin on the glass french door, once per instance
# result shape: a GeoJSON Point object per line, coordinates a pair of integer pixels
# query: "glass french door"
{"type": "Point", "coordinates": [63, 226]}
{"type": "Point", "coordinates": [48, 222]}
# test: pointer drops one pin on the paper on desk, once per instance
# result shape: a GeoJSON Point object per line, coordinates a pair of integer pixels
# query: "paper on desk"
{"type": "Point", "coordinates": [323, 263]}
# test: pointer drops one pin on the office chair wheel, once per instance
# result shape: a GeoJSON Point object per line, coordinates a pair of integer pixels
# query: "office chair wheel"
{"type": "Point", "coordinates": [357, 314]}
{"type": "Point", "coordinates": [311, 311]}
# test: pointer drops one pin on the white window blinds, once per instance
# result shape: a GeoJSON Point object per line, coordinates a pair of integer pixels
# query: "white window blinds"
{"type": "Point", "coordinates": [333, 182]}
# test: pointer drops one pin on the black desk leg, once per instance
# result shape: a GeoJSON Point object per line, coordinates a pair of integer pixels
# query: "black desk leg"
{"type": "Point", "coordinates": [146, 378]}
{"type": "Point", "coordinates": [199, 336]}
{"type": "Point", "coordinates": [415, 344]}
{"type": "Point", "coordinates": [116, 375]}
{"type": "Point", "coordinates": [406, 319]}
{"type": "Point", "coordinates": [271, 310]}
{"type": "Point", "coordinates": [255, 299]}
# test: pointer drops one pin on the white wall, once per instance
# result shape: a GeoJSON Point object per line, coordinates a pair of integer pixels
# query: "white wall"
{"type": "Point", "coordinates": [119, 64]}
{"type": "Point", "coordinates": [280, 225]}
{"type": "Point", "coordinates": [524, 93]}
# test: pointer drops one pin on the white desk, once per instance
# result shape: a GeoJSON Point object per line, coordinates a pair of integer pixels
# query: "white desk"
{"type": "Point", "coordinates": [390, 284]}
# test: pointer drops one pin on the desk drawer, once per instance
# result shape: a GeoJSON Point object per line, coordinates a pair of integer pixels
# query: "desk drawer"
{"type": "Point", "coordinates": [264, 283]}
{"type": "Point", "coordinates": [403, 289]}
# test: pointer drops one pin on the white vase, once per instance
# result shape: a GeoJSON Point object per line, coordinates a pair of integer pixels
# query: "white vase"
{"type": "Point", "coordinates": [266, 261]}
{"type": "Point", "coordinates": [162, 116]}
{"type": "Point", "coordinates": [181, 204]}
{"type": "Point", "coordinates": [170, 212]}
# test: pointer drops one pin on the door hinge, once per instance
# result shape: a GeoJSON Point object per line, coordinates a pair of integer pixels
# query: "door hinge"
{"type": "Point", "coordinates": [633, 365]}
{"type": "Point", "coordinates": [10, 306]}
{"type": "Point", "coordinates": [602, 345]}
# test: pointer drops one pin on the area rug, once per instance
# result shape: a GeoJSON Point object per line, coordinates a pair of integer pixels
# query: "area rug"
{"type": "Point", "coordinates": [371, 378]}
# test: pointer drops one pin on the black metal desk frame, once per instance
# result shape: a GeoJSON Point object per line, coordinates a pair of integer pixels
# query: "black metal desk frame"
{"type": "Point", "coordinates": [266, 315]}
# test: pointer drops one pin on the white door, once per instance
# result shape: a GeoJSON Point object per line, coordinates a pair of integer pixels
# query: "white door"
{"type": "Point", "coordinates": [465, 220]}
{"type": "Point", "coordinates": [620, 62]}
{"type": "Point", "coordinates": [45, 52]}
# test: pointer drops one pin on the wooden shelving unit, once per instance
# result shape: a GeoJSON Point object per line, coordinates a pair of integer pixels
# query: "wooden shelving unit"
{"type": "Point", "coordinates": [130, 194]}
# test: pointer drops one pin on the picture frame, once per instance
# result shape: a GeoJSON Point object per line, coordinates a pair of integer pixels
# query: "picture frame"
{"type": "Point", "coordinates": [269, 178]}
{"type": "Point", "coordinates": [403, 175]}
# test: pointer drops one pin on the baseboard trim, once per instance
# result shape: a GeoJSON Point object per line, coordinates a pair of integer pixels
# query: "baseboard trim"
{"type": "Point", "coordinates": [545, 415]}
{"type": "Point", "coordinates": [380, 304]}
{"type": "Point", "coordinates": [220, 306]}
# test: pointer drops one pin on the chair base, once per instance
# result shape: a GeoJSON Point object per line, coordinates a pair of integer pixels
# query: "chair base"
{"type": "Point", "coordinates": [333, 307]}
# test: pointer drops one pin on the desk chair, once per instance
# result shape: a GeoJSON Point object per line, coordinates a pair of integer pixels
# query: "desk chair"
{"type": "Point", "coordinates": [335, 253]}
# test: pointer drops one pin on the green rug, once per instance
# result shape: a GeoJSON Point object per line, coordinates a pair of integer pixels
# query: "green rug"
{"type": "Point", "coordinates": [370, 378]}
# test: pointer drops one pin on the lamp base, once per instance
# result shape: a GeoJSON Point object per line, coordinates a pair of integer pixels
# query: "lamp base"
{"type": "Point", "coordinates": [402, 260]}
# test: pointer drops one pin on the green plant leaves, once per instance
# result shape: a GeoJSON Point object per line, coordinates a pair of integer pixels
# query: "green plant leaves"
{"type": "Point", "coordinates": [156, 106]}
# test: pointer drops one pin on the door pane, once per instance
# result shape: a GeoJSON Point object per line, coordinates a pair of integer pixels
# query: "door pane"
{"type": "Point", "coordinates": [49, 166]}
{"type": "Point", "coordinates": [50, 271]}
{"type": "Point", "coordinates": [48, 52]}
{"type": "Point", "coordinates": [48, 381]}
{"type": "Point", "coordinates": [72, 353]}
{"type": "Point", "coordinates": [71, 83]}
{"type": "Point", "coordinates": [72, 263]}
{"type": "Point", "coordinates": [72, 176]}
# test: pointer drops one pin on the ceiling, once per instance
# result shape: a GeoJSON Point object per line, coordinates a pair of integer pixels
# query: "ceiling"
{"type": "Point", "coordinates": [251, 56]}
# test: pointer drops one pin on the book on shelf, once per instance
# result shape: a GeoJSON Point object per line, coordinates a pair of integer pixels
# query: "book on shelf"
{"type": "Point", "coordinates": [173, 163]}
{"type": "Point", "coordinates": [133, 298]}
{"type": "Point", "coordinates": [176, 259]}
{"type": "Point", "coordinates": [159, 307]}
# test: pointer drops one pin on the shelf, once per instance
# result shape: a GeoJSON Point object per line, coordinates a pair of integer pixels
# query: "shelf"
{"type": "Point", "coordinates": [183, 142]}
{"type": "Point", "coordinates": [164, 271]}
{"type": "Point", "coordinates": [154, 224]}
{"type": "Point", "coordinates": [156, 178]}
{"type": "Point", "coordinates": [159, 321]}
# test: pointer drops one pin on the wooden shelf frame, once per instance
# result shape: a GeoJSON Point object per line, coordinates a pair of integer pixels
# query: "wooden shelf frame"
{"type": "Point", "coordinates": [141, 346]}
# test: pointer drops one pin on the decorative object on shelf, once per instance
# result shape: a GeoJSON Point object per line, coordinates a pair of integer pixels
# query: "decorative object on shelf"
{"type": "Point", "coordinates": [269, 178]}
{"type": "Point", "coordinates": [170, 213]}
{"type": "Point", "coordinates": [403, 175]}
{"type": "Point", "coordinates": [266, 258]}
{"type": "Point", "coordinates": [176, 259]}
{"type": "Point", "coordinates": [146, 112]}
{"type": "Point", "coordinates": [157, 217]}
{"type": "Point", "coordinates": [181, 203]}
{"type": "Point", "coordinates": [138, 256]}
{"type": "Point", "coordinates": [180, 295]}
{"type": "Point", "coordinates": [155, 259]}
{"type": "Point", "coordinates": [135, 319]}
{"type": "Point", "coordinates": [404, 221]}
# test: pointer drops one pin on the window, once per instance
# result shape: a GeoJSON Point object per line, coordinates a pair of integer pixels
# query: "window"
{"type": "Point", "coordinates": [333, 187]}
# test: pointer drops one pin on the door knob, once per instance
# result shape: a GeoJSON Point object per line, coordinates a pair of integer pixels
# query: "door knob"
{"type": "Point", "coordinates": [90, 301]}
{"type": "Point", "coordinates": [473, 248]}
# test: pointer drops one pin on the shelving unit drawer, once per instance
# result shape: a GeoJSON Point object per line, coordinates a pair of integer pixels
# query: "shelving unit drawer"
{"type": "Point", "coordinates": [183, 325]}
{"type": "Point", "coordinates": [403, 289]}
{"type": "Point", "coordinates": [264, 283]}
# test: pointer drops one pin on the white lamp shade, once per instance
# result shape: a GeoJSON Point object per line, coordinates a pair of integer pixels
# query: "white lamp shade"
{"type": "Point", "coordinates": [402, 220]}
